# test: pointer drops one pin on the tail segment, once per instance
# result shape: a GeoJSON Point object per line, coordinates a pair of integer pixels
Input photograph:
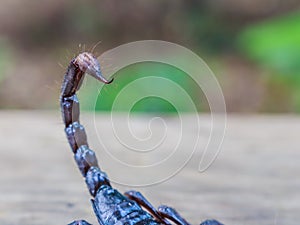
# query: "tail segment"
{"type": "Point", "coordinates": [84, 157]}
{"type": "Point", "coordinates": [110, 206]}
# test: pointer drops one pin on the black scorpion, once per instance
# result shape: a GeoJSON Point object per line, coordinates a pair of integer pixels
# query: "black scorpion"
{"type": "Point", "coordinates": [110, 206]}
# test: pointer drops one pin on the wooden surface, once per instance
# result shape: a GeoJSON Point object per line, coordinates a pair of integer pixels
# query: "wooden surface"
{"type": "Point", "coordinates": [255, 179]}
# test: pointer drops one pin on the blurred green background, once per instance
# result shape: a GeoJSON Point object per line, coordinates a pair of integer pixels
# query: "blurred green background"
{"type": "Point", "coordinates": [252, 46]}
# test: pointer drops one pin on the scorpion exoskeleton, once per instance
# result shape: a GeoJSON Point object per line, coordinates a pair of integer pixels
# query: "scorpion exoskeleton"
{"type": "Point", "coordinates": [110, 206]}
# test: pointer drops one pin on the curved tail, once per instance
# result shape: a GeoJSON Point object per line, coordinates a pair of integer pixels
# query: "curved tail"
{"type": "Point", "coordinates": [84, 156]}
{"type": "Point", "coordinates": [109, 205]}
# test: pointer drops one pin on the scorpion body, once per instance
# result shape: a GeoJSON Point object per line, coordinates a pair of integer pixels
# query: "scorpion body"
{"type": "Point", "coordinates": [110, 206]}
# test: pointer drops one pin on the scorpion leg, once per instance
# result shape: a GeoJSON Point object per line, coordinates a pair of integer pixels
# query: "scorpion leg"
{"type": "Point", "coordinates": [142, 201]}
{"type": "Point", "coordinates": [79, 222]}
{"type": "Point", "coordinates": [171, 214]}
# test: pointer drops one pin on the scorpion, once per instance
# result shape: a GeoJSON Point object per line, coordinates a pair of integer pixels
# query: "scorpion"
{"type": "Point", "coordinates": [109, 205]}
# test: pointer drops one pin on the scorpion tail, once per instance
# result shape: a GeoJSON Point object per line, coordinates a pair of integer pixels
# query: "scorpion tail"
{"type": "Point", "coordinates": [76, 135]}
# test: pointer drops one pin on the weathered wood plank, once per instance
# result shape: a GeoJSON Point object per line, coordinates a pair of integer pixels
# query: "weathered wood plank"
{"type": "Point", "coordinates": [255, 179]}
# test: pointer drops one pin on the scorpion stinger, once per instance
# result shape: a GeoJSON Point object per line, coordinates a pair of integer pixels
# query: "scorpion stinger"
{"type": "Point", "coordinates": [89, 64]}
{"type": "Point", "coordinates": [110, 206]}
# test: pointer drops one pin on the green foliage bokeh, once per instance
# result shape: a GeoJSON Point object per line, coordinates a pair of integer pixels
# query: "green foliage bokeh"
{"type": "Point", "coordinates": [103, 100]}
{"type": "Point", "coordinates": [274, 45]}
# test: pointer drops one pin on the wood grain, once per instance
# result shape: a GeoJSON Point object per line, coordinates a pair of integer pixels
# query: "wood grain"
{"type": "Point", "coordinates": [255, 179]}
